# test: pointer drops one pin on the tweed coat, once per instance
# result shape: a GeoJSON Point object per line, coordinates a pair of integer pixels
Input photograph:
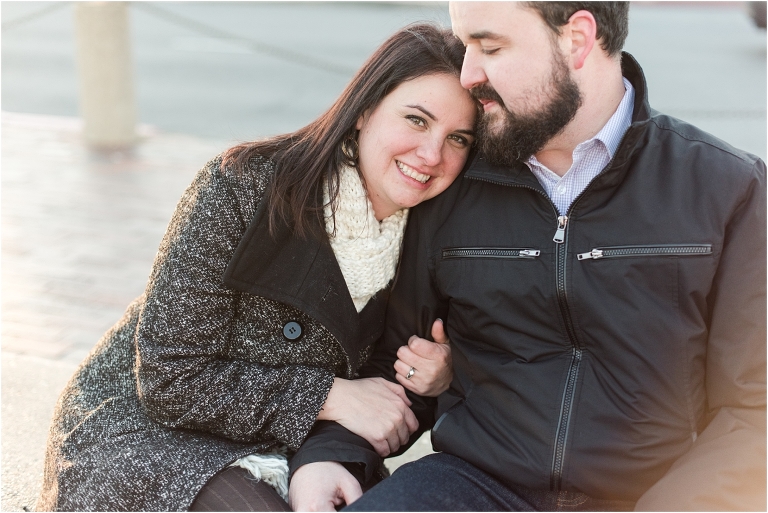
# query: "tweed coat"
{"type": "Point", "coordinates": [199, 371]}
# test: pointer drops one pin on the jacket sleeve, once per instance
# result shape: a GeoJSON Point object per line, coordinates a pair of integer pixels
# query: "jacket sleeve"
{"type": "Point", "coordinates": [413, 305]}
{"type": "Point", "coordinates": [186, 376]}
{"type": "Point", "coordinates": [726, 467]}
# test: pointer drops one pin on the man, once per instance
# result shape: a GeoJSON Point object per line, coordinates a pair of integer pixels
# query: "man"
{"type": "Point", "coordinates": [601, 272]}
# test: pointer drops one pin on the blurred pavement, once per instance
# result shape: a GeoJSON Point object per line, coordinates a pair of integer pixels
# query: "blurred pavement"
{"type": "Point", "coordinates": [79, 233]}
{"type": "Point", "coordinates": [80, 229]}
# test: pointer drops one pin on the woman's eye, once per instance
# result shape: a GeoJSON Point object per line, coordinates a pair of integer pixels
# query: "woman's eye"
{"type": "Point", "coordinates": [416, 120]}
{"type": "Point", "coordinates": [463, 141]}
{"type": "Point", "coordinates": [489, 51]}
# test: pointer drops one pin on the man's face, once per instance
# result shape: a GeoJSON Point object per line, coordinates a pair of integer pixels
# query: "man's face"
{"type": "Point", "coordinates": [515, 67]}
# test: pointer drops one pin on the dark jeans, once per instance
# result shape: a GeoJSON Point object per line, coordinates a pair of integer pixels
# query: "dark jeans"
{"type": "Point", "coordinates": [441, 482]}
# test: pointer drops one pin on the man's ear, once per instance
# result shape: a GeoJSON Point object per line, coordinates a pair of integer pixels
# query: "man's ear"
{"type": "Point", "coordinates": [581, 29]}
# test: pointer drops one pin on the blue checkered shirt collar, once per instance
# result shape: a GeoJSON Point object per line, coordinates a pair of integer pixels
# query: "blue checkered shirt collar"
{"type": "Point", "coordinates": [589, 157]}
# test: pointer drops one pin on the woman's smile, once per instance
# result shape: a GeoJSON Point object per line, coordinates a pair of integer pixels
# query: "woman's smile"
{"type": "Point", "coordinates": [412, 173]}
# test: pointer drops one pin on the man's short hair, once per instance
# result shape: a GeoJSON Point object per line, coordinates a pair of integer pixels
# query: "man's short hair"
{"type": "Point", "coordinates": [612, 19]}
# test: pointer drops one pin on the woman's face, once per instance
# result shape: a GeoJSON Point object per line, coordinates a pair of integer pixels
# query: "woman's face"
{"type": "Point", "coordinates": [415, 142]}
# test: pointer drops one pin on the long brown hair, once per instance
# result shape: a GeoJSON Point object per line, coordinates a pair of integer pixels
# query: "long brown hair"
{"type": "Point", "coordinates": [307, 157]}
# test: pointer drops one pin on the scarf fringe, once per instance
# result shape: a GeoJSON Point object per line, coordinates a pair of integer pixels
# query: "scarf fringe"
{"type": "Point", "coordinates": [270, 468]}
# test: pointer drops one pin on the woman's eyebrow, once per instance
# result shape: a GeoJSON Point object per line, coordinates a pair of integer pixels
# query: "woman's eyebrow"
{"type": "Point", "coordinates": [433, 118]}
{"type": "Point", "coordinates": [425, 111]}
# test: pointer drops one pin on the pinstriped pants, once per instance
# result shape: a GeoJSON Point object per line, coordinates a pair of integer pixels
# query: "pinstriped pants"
{"type": "Point", "coordinates": [235, 489]}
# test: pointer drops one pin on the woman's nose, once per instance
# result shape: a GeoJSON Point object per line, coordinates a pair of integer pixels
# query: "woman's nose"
{"type": "Point", "coordinates": [430, 151]}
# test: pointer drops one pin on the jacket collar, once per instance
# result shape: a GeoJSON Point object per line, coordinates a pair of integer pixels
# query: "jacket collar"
{"type": "Point", "coordinates": [634, 73]}
{"type": "Point", "coordinates": [519, 174]}
{"type": "Point", "coordinates": [303, 273]}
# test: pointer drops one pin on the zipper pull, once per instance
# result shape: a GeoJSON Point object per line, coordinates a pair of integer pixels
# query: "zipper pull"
{"type": "Point", "coordinates": [594, 254]}
{"type": "Point", "coordinates": [560, 233]}
{"type": "Point", "coordinates": [530, 252]}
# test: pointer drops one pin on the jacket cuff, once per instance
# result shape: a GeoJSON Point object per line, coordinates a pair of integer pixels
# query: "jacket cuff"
{"type": "Point", "coordinates": [329, 441]}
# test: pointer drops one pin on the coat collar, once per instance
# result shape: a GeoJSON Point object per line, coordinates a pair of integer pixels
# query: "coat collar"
{"type": "Point", "coordinates": [304, 273]}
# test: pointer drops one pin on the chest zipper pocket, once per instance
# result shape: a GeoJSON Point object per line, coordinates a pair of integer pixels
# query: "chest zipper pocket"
{"type": "Point", "coordinates": [647, 250]}
{"type": "Point", "coordinates": [481, 252]}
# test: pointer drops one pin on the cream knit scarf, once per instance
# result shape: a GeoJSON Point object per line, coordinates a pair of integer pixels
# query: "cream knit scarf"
{"type": "Point", "coordinates": [367, 251]}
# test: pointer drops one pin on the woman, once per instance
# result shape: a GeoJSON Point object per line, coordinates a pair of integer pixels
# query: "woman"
{"type": "Point", "coordinates": [266, 296]}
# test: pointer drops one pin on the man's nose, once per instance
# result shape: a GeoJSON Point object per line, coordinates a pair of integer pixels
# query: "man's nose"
{"type": "Point", "coordinates": [472, 73]}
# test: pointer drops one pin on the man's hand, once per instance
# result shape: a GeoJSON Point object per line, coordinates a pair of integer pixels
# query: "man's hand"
{"type": "Point", "coordinates": [373, 408]}
{"type": "Point", "coordinates": [322, 486]}
{"type": "Point", "coordinates": [431, 361]}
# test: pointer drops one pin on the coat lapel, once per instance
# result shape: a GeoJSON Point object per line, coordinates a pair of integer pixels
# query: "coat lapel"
{"type": "Point", "coordinates": [301, 272]}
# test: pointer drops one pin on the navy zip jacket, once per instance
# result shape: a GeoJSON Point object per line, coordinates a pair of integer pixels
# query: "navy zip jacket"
{"type": "Point", "coordinates": [619, 350]}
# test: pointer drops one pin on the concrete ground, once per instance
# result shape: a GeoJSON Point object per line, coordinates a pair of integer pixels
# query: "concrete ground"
{"type": "Point", "coordinates": [30, 385]}
{"type": "Point", "coordinates": [79, 233]}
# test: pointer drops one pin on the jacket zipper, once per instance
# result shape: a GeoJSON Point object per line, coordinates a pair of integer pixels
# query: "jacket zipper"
{"type": "Point", "coordinates": [647, 250]}
{"type": "Point", "coordinates": [490, 253]}
{"type": "Point", "coordinates": [562, 222]}
{"type": "Point", "coordinates": [566, 406]}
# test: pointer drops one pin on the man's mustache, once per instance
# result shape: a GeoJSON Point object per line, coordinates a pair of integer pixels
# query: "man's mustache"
{"type": "Point", "coordinates": [486, 92]}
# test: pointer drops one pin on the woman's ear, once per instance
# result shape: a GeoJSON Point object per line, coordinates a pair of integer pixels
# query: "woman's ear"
{"type": "Point", "coordinates": [361, 120]}
{"type": "Point", "coordinates": [581, 30]}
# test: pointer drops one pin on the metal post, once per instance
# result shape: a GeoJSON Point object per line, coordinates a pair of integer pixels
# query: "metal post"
{"type": "Point", "coordinates": [107, 102]}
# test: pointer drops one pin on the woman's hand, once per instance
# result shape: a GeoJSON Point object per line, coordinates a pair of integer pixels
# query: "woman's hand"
{"type": "Point", "coordinates": [373, 408]}
{"type": "Point", "coordinates": [430, 361]}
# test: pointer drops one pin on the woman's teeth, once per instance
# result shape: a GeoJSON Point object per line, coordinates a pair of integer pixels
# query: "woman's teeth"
{"type": "Point", "coordinates": [412, 173]}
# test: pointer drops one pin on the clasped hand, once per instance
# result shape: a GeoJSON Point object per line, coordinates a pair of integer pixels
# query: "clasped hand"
{"type": "Point", "coordinates": [373, 408]}
{"type": "Point", "coordinates": [379, 410]}
{"type": "Point", "coordinates": [430, 361]}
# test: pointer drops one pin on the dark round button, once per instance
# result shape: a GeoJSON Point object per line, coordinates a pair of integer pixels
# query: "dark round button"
{"type": "Point", "coordinates": [292, 330]}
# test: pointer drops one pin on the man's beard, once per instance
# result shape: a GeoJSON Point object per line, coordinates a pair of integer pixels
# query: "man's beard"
{"type": "Point", "coordinates": [519, 135]}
